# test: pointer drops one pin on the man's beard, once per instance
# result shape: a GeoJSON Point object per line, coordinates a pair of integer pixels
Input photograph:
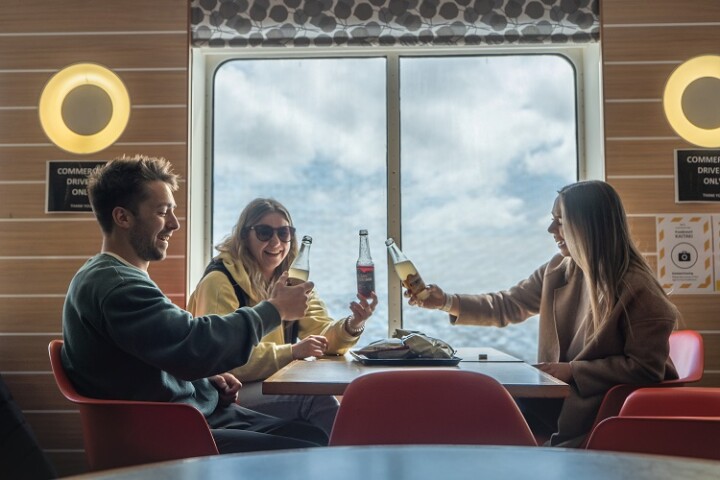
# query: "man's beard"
{"type": "Point", "coordinates": [146, 249]}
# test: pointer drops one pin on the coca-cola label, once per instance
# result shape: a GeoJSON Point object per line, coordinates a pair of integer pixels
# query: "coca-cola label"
{"type": "Point", "coordinates": [365, 280]}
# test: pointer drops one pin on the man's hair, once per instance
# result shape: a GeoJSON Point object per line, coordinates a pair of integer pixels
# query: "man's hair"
{"type": "Point", "coordinates": [122, 183]}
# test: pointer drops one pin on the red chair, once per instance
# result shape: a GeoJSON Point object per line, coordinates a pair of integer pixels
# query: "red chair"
{"type": "Point", "coordinates": [673, 402]}
{"type": "Point", "coordinates": [119, 433]}
{"type": "Point", "coordinates": [696, 437]}
{"type": "Point", "coordinates": [419, 406]}
{"type": "Point", "coordinates": [681, 421]}
{"type": "Point", "coordinates": [688, 355]}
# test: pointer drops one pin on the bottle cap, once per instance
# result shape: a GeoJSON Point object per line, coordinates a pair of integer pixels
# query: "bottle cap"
{"type": "Point", "coordinates": [307, 238]}
{"type": "Point", "coordinates": [389, 242]}
{"type": "Point", "coordinates": [363, 232]}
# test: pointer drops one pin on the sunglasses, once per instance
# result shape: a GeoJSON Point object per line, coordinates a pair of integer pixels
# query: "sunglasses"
{"type": "Point", "coordinates": [265, 233]}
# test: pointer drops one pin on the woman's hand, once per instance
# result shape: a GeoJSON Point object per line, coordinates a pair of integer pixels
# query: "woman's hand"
{"type": "Point", "coordinates": [434, 300]}
{"type": "Point", "coordinates": [228, 385]}
{"type": "Point", "coordinates": [362, 311]}
{"type": "Point", "coordinates": [560, 370]}
{"type": "Point", "coordinates": [310, 346]}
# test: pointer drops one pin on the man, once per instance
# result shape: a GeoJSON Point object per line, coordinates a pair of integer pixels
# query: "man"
{"type": "Point", "coordinates": [124, 339]}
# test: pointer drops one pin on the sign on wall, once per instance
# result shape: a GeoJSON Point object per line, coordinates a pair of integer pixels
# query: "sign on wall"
{"type": "Point", "coordinates": [685, 253]}
{"type": "Point", "coordinates": [67, 186]}
{"type": "Point", "coordinates": [697, 176]}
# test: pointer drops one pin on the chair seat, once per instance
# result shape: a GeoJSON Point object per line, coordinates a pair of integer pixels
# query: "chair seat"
{"type": "Point", "coordinates": [428, 407]}
{"type": "Point", "coordinates": [120, 433]}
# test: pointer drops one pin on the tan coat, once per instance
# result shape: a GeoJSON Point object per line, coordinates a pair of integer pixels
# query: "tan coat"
{"type": "Point", "coordinates": [631, 347]}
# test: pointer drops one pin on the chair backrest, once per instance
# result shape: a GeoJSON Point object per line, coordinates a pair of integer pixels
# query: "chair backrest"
{"type": "Point", "coordinates": [118, 433]}
{"type": "Point", "coordinates": [680, 436]}
{"type": "Point", "coordinates": [687, 351]}
{"type": "Point", "coordinates": [428, 406]}
{"type": "Point", "coordinates": [673, 402]}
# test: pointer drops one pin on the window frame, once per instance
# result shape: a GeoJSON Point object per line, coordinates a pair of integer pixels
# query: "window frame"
{"type": "Point", "coordinates": [205, 62]}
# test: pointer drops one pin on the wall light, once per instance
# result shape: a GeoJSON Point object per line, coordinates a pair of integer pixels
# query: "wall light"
{"type": "Point", "coordinates": [84, 108]}
{"type": "Point", "coordinates": [692, 101]}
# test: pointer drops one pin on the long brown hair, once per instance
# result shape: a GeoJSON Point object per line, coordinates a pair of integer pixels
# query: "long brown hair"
{"type": "Point", "coordinates": [595, 223]}
{"type": "Point", "coordinates": [236, 246]}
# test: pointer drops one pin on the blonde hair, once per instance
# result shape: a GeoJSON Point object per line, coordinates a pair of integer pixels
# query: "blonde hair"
{"type": "Point", "coordinates": [599, 241]}
{"type": "Point", "coordinates": [235, 244]}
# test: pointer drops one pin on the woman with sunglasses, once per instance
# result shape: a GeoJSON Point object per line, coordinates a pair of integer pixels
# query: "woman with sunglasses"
{"type": "Point", "coordinates": [261, 246]}
{"type": "Point", "coordinates": [604, 318]}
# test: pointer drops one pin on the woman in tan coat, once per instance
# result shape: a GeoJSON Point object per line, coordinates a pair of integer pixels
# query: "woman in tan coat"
{"type": "Point", "coordinates": [604, 318]}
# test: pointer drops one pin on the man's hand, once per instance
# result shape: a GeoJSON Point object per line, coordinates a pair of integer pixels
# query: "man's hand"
{"type": "Point", "coordinates": [290, 301]}
{"type": "Point", "coordinates": [310, 346]}
{"type": "Point", "coordinates": [560, 370]}
{"type": "Point", "coordinates": [228, 385]}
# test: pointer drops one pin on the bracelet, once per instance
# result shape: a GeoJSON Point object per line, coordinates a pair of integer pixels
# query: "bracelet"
{"type": "Point", "coordinates": [448, 303]}
{"type": "Point", "coordinates": [354, 332]}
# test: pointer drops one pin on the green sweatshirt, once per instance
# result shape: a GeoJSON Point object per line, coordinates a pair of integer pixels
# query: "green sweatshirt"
{"type": "Point", "coordinates": [125, 340]}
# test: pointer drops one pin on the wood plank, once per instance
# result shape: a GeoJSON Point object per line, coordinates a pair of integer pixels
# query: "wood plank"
{"type": "Point", "coordinates": [660, 11]}
{"type": "Point", "coordinates": [161, 124]}
{"type": "Point", "coordinates": [644, 234]}
{"type": "Point", "coordinates": [22, 89]}
{"type": "Point", "coordinates": [53, 276]}
{"type": "Point", "coordinates": [661, 43]}
{"type": "Point", "coordinates": [56, 430]}
{"type": "Point", "coordinates": [20, 353]}
{"type": "Point", "coordinates": [712, 350]}
{"type": "Point", "coordinates": [636, 81]}
{"type": "Point", "coordinates": [642, 157]}
{"type": "Point", "coordinates": [655, 196]}
{"type": "Point", "coordinates": [72, 16]}
{"type": "Point", "coordinates": [31, 315]}
{"type": "Point", "coordinates": [30, 163]}
{"type": "Point", "coordinates": [636, 120]}
{"type": "Point", "coordinates": [23, 201]}
{"type": "Point", "coordinates": [700, 312]}
{"type": "Point", "coordinates": [112, 50]}
{"type": "Point", "coordinates": [710, 379]}
{"type": "Point", "coordinates": [84, 238]}
{"type": "Point", "coordinates": [37, 392]}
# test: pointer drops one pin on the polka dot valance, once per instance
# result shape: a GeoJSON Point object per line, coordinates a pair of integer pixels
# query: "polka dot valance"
{"type": "Point", "coordinates": [305, 23]}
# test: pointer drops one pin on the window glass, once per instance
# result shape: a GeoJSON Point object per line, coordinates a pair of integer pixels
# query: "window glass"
{"type": "Point", "coordinates": [486, 142]}
{"type": "Point", "coordinates": [311, 134]}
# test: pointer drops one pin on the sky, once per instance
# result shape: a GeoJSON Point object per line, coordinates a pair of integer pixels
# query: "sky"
{"type": "Point", "coordinates": [486, 142]}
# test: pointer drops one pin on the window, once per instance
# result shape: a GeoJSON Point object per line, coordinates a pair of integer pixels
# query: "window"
{"type": "Point", "coordinates": [456, 156]}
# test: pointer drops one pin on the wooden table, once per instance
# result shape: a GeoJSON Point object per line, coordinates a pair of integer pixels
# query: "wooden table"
{"type": "Point", "coordinates": [426, 462]}
{"type": "Point", "coordinates": [331, 375]}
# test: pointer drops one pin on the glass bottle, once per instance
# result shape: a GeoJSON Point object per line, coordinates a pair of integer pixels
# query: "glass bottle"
{"type": "Point", "coordinates": [365, 268]}
{"type": "Point", "coordinates": [407, 272]}
{"type": "Point", "coordinates": [300, 269]}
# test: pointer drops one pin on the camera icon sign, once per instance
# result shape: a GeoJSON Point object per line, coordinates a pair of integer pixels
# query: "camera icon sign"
{"type": "Point", "coordinates": [684, 256]}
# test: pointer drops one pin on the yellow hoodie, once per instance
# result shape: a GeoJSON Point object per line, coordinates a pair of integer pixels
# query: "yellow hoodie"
{"type": "Point", "coordinates": [215, 295]}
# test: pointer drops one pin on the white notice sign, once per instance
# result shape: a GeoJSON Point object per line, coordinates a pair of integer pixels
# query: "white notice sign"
{"type": "Point", "coordinates": [685, 253]}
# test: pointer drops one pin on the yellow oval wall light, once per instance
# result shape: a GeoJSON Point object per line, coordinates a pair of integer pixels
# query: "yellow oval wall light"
{"type": "Point", "coordinates": [84, 108]}
{"type": "Point", "coordinates": [692, 101]}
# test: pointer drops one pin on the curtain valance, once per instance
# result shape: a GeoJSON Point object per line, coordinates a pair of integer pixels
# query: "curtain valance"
{"type": "Point", "coordinates": [303, 23]}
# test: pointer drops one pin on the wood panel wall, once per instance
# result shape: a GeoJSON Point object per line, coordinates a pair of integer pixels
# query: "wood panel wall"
{"type": "Point", "coordinates": [146, 44]}
{"type": "Point", "coordinates": [642, 43]}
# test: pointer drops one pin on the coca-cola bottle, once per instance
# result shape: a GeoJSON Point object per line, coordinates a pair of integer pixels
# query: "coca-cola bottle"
{"type": "Point", "coordinates": [407, 272]}
{"type": "Point", "coordinates": [365, 268]}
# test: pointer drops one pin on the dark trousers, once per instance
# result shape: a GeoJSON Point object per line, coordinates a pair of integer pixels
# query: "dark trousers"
{"type": "Point", "coordinates": [237, 429]}
{"type": "Point", "coordinates": [541, 415]}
